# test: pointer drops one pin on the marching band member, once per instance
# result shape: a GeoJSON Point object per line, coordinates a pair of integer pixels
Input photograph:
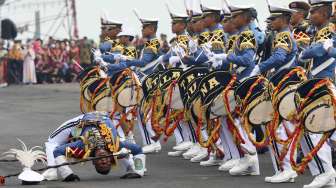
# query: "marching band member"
{"type": "Point", "coordinates": [231, 151]}
{"type": "Point", "coordinates": [320, 52]}
{"type": "Point", "coordinates": [146, 64]}
{"type": "Point", "coordinates": [283, 56]}
{"type": "Point", "coordinates": [184, 133]}
{"type": "Point", "coordinates": [90, 134]}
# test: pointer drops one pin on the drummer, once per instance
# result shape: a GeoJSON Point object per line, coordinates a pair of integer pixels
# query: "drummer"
{"type": "Point", "coordinates": [283, 56]}
{"type": "Point", "coordinates": [323, 66]}
{"type": "Point", "coordinates": [184, 134]}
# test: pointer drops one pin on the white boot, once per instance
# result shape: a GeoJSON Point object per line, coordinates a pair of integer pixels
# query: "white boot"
{"type": "Point", "coordinates": [140, 164]}
{"type": "Point", "coordinates": [322, 180]}
{"type": "Point", "coordinates": [248, 165]}
{"type": "Point", "coordinates": [212, 161]}
{"type": "Point", "coordinates": [192, 152]}
{"type": "Point", "coordinates": [50, 174]}
{"type": "Point", "coordinates": [284, 177]}
{"type": "Point", "coordinates": [228, 165]}
{"type": "Point", "coordinates": [183, 146]}
{"type": "Point", "coordinates": [200, 156]}
{"type": "Point", "coordinates": [175, 153]}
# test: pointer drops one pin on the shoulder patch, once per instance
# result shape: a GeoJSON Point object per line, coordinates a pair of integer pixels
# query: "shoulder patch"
{"type": "Point", "coordinates": [131, 52]}
{"type": "Point", "coordinates": [204, 37]}
{"type": "Point", "coordinates": [283, 40]}
{"type": "Point", "coordinates": [230, 45]}
{"type": "Point", "coordinates": [323, 34]}
{"type": "Point", "coordinates": [217, 41]}
{"type": "Point", "coordinates": [246, 40]}
{"type": "Point", "coordinates": [153, 45]}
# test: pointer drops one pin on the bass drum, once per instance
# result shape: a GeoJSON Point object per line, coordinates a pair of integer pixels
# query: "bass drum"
{"type": "Point", "coordinates": [101, 98]}
{"type": "Point", "coordinates": [166, 79]}
{"type": "Point", "coordinates": [126, 88]}
{"type": "Point", "coordinates": [282, 89]}
{"type": "Point", "coordinates": [149, 84]}
{"type": "Point", "coordinates": [253, 100]}
{"type": "Point", "coordinates": [315, 100]}
{"type": "Point", "coordinates": [211, 90]}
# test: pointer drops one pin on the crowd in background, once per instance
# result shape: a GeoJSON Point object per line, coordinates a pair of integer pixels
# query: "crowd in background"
{"type": "Point", "coordinates": [51, 61]}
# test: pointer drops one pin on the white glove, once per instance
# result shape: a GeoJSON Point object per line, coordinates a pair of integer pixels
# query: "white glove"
{"type": "Point", "coordinates": [327, 44]}
{"type": "Point", "coordinates": [173, 60]}
{"type": "Point", "coordinates": [216, 63]}
{"type": "Point", "coordinates": [119, 57]}
{"type": "Point", "coordinates": [102, 63]}
{"type": "Point", "coordinates": [96, 52]}
{"type": "Point", "coordinates": [123, 151]}
{"type": "Point", "coordinates": [192, 46]}
{"type": "Point", "coordinates": [220, 57]}
{"type": "Point", "coordinates": [255, 71]}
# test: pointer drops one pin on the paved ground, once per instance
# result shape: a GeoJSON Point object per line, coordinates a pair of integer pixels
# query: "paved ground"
{"type": "Point", "coordinates": [32, 112]}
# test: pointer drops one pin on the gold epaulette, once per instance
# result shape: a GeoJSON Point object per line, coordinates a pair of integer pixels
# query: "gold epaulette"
{"type": "Point", "coordinates": [153, 45]}
{"type": "Point", "coordinates": [246, 40]}
{"type": "Point", "coordinates": [130, 52]}
{"type": "Point", "coordinates": [217, 41]}
{"type": "Point", "coordinates": [230, 45]}
{"type": "Point", "coordinates": [283, 40]}
{"type": "Point", "coordinates": [117, 48]}
{"type": "Point", "coordinates": [204, 37]}
{"type": "Point", "coordinates": [323, 34]}
{"type": "Point", "coordinates": [183, 40]}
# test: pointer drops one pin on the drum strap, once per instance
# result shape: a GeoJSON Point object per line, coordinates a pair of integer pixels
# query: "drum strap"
{"type": "Point", "coordinates": [322, 66]}
{"type": "Point", "coordinates": [148, 66]}
{"type": "Point", "coordinates": [289, 64]}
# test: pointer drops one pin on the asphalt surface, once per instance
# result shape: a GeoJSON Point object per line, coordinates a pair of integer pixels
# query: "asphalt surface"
{"type": "Point", "coordinates": [32, 112]}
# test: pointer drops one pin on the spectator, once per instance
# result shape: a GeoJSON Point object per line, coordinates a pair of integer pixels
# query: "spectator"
{"type": "Point", "coordinates": [85, 52]}
{"type": "Point", "coordinates": [15, 64]}
{"type": "Point", "coordinates": [29, 74]}
{"type": "Point", "coordinates": [3, 64]}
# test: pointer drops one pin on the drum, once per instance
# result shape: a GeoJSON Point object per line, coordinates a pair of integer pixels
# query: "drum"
{"type": "Point", "coordinates": [149, 84]}
{"type": "Point", "coordinates": [253, 100]}
{"type": "Point", "coordinates": [315, 101]}
{"type": "Point", "coordinates": [188, 83]}
{"type": "Point", "coordinates": [87, 77]}
{"type": "Point", "coordinates": [165, 80]}
{"type": "Point", "coordinates": [282, 89]}
{"type": "Point", "coordinates": [126, 88]}
{"type": "Point", "coordinates": [101, 99]}
{"type": "Point", "coordinates": [211, 91]}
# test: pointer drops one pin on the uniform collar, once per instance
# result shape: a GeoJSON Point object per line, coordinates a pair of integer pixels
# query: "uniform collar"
{"type": "Point", "coordinates": [217, 26]}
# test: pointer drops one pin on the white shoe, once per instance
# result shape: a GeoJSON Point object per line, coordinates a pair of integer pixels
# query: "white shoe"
{"type": "Point", "coordinates": [228, 165]}
{"type": "Point", "coordinates": [183, 146]}
{"type": "Point", "coordinates": [322, 180]}
{"type": "Point", "coordinates": [283, 177]}
{"type": "Point", "coordinates": [268, 179]}
{"type": "Point", "coordinates": [212, 161]}
{"type": "Point", "coordinates": [175, 153]}
{"type": "Point", "coordinates": [248, 165]}
{"type": "Point", "coordinates": [152, 148]}
{"type": "Point", "coordinates": [192, 152]}
{"type": "Point", "coordinates": [50, 174]}
{"type": "Point", "coordinates": [200, 156]}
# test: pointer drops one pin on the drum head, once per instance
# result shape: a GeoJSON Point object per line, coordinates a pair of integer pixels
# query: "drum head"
{"type": "Point", "coordinates": [287, 106]}
{"type": "Point", "coordinates": [176, 102]}
{"type": "Point", "coordinates": [218, 109]}
{"type": "Point", "coordinates": [320, 119]}
{"type": "Point", "coordinates": [261, 113]}
{"type": "Point", "coordinates": [105, 104]}
{"type": "Point", "coordinates": [318, 116]}
{"type": "Point", "coordinates": [129, 96]}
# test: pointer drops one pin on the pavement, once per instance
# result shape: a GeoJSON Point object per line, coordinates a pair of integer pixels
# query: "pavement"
{"type": "Point", "coordinates": [32, 112]}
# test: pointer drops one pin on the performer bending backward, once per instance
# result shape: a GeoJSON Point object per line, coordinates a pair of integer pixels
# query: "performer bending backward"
{"type": "Point", "coordinates": [91, 135]}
